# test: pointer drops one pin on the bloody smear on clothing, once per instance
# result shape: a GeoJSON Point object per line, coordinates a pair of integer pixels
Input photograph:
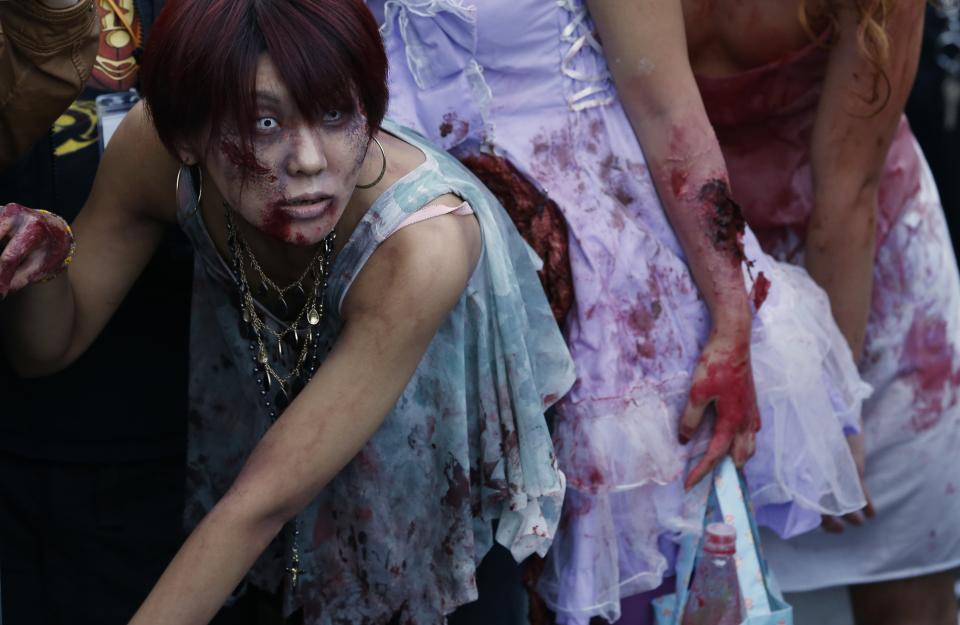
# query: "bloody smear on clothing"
{"type": "Point", "coordinates": [458, 486]}
{"type": "Point", "coordinates": [726, 218]}
{"type": "Point", "coordinates": [555, 155]}
{"type": "Point", "coordinates": [453, 125]}
{"type": "Point", "coordinates": [596, 477]}
{"type": "Point", "coordinates": [761, 288]}
{"type": "Point", "coordinates": [539, 220]}
{"type": "Point", "coordinates": [927, 352]}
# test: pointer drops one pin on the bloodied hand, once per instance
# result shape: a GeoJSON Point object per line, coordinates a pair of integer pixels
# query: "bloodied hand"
{"type": "Point", "coordinates": [36, 246]}
{"type": "Point", "coordinates": [723, 380]}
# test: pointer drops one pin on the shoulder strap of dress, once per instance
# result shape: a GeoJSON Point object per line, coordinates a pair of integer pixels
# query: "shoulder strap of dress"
{"type": "Point", "coordinates": [434, 210]}
{"type": "Point", "coordinates": [191, 222]}
{"type": "Point", "coordinates": [406, 196]}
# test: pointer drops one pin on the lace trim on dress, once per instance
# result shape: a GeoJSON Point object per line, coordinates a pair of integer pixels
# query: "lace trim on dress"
{"type": "Point", "coordinates": [418, 21]}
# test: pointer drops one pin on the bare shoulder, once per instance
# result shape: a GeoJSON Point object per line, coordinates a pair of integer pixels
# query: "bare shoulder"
{"type": "Point", "coordinates": [420, 271]}
{"type": "Point", "coordinates": [137, 174]}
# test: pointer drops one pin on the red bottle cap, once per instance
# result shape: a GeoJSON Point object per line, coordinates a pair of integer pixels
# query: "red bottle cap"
{"type": "Point", "coordinates": [720, 539]}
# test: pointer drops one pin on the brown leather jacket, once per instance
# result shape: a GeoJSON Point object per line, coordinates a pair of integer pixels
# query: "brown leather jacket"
{"type": "Point", "coordinates": [45, 57]}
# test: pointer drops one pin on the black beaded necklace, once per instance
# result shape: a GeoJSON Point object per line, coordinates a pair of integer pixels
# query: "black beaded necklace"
{"type": "Point", "coordinates": [255, 329]}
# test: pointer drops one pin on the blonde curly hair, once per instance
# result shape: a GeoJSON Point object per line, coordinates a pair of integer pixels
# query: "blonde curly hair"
{"type": "Point", "coordinates": [871, 23]}
{"type": "Point", "coordinates": [822, 16]}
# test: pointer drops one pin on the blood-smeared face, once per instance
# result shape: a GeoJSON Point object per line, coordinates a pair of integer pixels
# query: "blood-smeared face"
{"type": "Point", "coordinates": [298, 178]}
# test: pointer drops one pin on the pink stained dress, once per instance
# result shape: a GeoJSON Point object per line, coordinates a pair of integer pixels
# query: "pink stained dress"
{"type": "Point", "coordinates": [526, 80]}
{"type": "Point", "coordinates": [764, 119]}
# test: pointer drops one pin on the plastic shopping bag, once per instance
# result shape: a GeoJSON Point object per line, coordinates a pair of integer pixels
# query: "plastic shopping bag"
{"type": "Point", "coordinates": [761, 598]}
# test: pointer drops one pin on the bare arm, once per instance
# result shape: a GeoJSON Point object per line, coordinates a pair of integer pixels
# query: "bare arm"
{"type": "Point", "coordinates": [46, 53]}
{"type": "Point", "coordinates": [850, 142]}
{"type": "Point", "coordinates": [392, 313]}
{"type": "Point", "coordinates": [48, 325]}
{"type": "Point", "coordinates": [645, 46]}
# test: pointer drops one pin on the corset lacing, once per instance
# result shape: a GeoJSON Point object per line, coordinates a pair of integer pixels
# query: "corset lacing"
{"type": "Point", "coordinates": [579, 34]}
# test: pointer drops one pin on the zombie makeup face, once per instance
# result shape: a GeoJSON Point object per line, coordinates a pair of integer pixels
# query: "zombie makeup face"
{"type": "Point", "coordinates": [295, 180]}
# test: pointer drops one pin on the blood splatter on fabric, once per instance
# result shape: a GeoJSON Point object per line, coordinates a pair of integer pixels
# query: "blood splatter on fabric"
{"type": "Point", "coordinates": [930, 362]}
{"type": "Point", "coordinates": [760, 291]}
{"type": "Point", "coordinates": [539, 220]}
{"type": "Point", "coordinates": [765, 122]}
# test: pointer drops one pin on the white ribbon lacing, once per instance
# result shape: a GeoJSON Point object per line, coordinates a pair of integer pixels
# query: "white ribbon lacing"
{"type": "Point", "coordinates": [598, 90]}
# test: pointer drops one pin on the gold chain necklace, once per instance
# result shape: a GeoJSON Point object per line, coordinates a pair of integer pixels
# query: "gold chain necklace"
{"type": "Point", "coordinates": [312, 311]}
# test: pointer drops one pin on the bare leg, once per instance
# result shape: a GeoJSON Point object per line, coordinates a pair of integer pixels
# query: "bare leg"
{"type": "Point", "coordinates": [926, 600]}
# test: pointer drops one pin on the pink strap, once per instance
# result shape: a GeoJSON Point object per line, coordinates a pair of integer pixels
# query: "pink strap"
{"type": "Point", "coordinates": [434, 210]}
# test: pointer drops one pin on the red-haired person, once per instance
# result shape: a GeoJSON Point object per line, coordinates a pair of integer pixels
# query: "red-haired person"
{"type": "Point", "coordinates": [371, 351]}
{"type": "Point", "coordinates": [807, 98]}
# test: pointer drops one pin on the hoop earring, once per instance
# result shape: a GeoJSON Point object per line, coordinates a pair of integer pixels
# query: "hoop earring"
{"type": "Point", "coordinates": [383, 169]}
{"type": "Point", "coordinates": [196, 205]}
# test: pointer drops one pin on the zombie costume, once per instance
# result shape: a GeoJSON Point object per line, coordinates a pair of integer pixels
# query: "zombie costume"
{"type": "Point", "coordinates": [912, 422]}
{"type": "Point", "coordinates": [91, 492]}
{"type": "Point", "coordinates": [401, 529]}
{"type": "Point", "coordinates": [527, 80]}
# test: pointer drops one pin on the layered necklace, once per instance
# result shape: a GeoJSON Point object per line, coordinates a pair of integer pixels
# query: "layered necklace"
{"type": "Point", "coordinates": [265, 340]}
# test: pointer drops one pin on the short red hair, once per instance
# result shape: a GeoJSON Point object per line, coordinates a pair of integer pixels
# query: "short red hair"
{"type": "Point", "coordinates": [200, 64]}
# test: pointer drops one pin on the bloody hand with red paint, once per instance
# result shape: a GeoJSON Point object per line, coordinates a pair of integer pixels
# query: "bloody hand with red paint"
{"type": "Point", "coordinates": [38, 245]}
{"type": "Point", "coordinates": [724, 379]}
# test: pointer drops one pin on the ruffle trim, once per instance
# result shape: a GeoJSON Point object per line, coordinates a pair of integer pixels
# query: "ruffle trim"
{"type": "Point", "coordinates": [624, 465]}
{"type": "Point", "coordinates": [439, 43]}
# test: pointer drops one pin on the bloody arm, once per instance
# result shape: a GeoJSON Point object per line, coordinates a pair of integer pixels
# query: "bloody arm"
{"type": "Point", "coordinates": [45, 326]}
{"type": "Point", "coordinates": [645, 46]}
{"type": "Point", "coordinates": [857, 118]}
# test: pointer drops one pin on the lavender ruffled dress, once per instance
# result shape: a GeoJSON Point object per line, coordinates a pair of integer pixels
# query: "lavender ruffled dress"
{"type": "Point", "coordinates": [526, 79]}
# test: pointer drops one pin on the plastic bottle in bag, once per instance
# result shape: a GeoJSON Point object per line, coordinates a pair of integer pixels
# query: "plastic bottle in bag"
{"type": "Point", "coordinates": [714, 597]}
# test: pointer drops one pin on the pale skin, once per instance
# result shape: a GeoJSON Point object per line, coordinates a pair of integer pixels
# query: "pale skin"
{"type": "Point", "coordinates": [849, 145]}
{"type": "Point", "coordinates": [643, 41]}
{"type": "Point", "coordinates": [655, 47]}
{"type": "Point", "coordinates": [391, 312]}
{"type": "Point", "coordinates": [646, 43]}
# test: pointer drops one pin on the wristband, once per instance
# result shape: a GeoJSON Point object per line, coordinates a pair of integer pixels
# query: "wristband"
{"type": "Point", "coordinates": [73, 246]}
